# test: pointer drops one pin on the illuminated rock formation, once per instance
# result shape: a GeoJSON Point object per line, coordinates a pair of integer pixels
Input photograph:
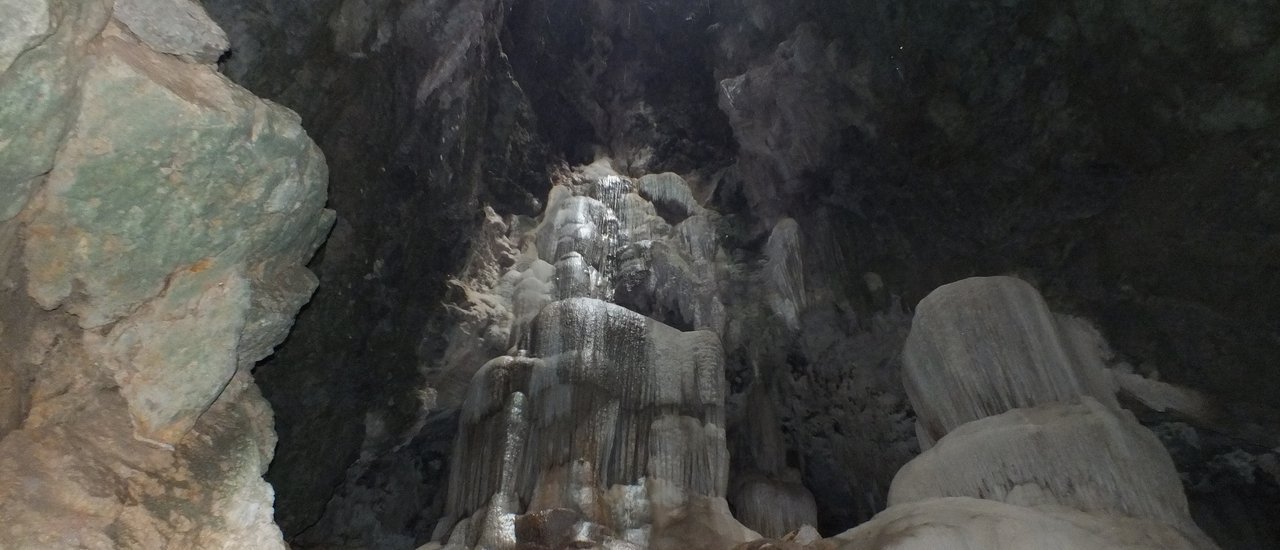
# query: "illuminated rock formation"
{"type": "Point", "coordinates": [1024, 416]}
{"type": "Point", "coordinates": [620, 417]}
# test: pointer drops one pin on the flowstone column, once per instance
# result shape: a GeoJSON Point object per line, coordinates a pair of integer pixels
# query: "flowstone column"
{"type": "Point", "coordinates": [621, 415]}
{"type": "Point", "coordinates": [1026, 446]}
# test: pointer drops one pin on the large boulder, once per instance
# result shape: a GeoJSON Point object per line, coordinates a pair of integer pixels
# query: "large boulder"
{"type": "Point", "coordinates": [155, 226]}
{"type": "Point", "coordinates": [1079, 456]}
{"type": "Point", "coordinates": [985, 345]}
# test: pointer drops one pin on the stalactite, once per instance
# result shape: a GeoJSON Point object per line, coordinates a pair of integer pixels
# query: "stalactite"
{"type": "Point", "coordinates": [670, 194]}
{"type": "Point", "coordinates": [784, 271]}
{"type": "Point", "coordinates": [773, 507]}
{"type": "Point", "coordinates": [610, 355]}
{"type": "Point", "coordinates": [484, 446]}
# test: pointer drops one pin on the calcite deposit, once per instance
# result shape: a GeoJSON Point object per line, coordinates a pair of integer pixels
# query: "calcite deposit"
{"type": "Point", "coordinates": [599, 413]}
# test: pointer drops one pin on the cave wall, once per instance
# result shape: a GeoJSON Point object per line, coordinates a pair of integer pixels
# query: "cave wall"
{"type": "Point", "coordinates": [156, 223]}
{"type": "Point", "coordinates": [422, 122]}
{"type": "Point", "coordinates": [1047, 137]}
{"type": "Point", "coordinates": [1119, 156]}
{"type": "Point", "coordinates": [625, 80]}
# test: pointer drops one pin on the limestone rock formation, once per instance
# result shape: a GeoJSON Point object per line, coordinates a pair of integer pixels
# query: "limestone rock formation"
{"type": "Point", "coordinates": [980, 347]}
{"type": "Point", "coordinates": [773, 507]}
{"type": "Point", "coordinates": [1081, 456]}
{"type": "Point", "coordinates": [603, 419]}
{"type": "Point", "coordinates": [1021, 423]}
{"type": "Point", "coordinates": [155, 226]}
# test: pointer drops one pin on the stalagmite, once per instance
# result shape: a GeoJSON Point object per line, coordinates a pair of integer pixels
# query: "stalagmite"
{"type": "Point", "coordinates": [628, 374]}
{"type": "Point", "coordinates": [766, 494]}
{"type": "Point", "coordinates": [784, 272]}
{"type": "Point", "coordinates": [774, 507]}
{"type": "Point", "coordinates": [608, 402]}
{"type": "Point", "coordinates": [982, 346]}
{"type": "Point", "coordinates": [1017, 409]}
{"type": "Point", "coordinates": [1080, 456]}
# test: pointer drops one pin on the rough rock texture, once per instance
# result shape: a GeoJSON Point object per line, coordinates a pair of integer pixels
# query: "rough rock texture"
{"type": "Point", "coordinates": [157, 221]}
{"type": "Point", "coordinates": [413, 103]}
{"type": "Point", "coordinates": [1099, 149]}
{"type": "Point", "coordinates": [622, 79]}
{"type": "Point", "coordinates": [771, 507]}
{"type": "Point", "coordinates": [178, 27]}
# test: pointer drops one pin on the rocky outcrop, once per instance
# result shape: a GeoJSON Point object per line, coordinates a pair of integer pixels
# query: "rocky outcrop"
{"type": "Point", "coordinates": [176, 27]}
{"type": "Point", "coordinates": [980, 347]}
{"type": "Point", "coordinates": [602, 415]}
{"type": "Point", "coordinates": [1018, 422]}
{"type": "Point", "coordinates": [1082, 456]}
{"type": "Point", "coordinates": [157, 221]}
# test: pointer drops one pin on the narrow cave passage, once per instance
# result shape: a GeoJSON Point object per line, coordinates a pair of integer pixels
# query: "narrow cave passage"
{"type": "Point", "coordinates": [656, 273]}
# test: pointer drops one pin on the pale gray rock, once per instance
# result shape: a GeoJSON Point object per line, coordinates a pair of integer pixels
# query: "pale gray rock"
{"type": "Point", "coordinates": [670, 194]}
{"type": "Point", "coordinates": [575, 278]}
{"type": "Point", "coordinates": [960, 523]}
{"type": "Point", "coordinates": [574, 223]}
{"type": "Point", "coordinates": [784, 272]}
{"type": "Point", "coordinates": [627, 368]}
{"type": "Point", "coordinates": [613, 398]}
{"type": "Point", "coordinates": [176, 27]}
{"type": "Point", "coordinates": [985, 345]}
{"type": "Point", "coordinates": [773, 507]}
{"type": "Point", "coordinates": [1082, 456]}
{"type": "Point", "coordinates": [688, 520]}
{"type": "Point", "coordinates": [698, 235]}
